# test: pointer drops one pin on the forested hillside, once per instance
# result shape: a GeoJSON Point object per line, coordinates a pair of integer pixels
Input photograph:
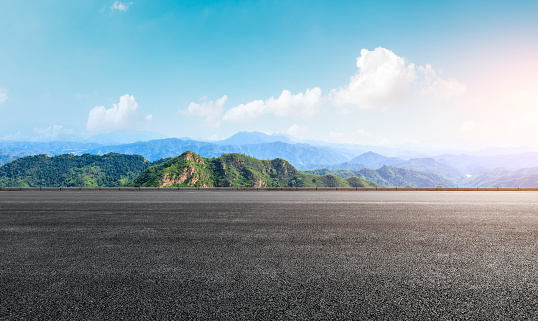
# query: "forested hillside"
{"type": "Point", "coordinates": [235, 170]}
{"type": "Point", "coordinates": [188, 169]}
{"type": "Point", "coordinates": [391, 176]}
{"type": "Point", "coordinates": [69, 170]}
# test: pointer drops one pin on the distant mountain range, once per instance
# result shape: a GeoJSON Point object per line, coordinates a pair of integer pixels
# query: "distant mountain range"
{"type": "Point", "coordinates": [457, 170]}
{"type": "Point", "coordinates": [499, 177]}
{"type": "Point", "coordinates": [392, 176]}
{"type": "Point", "coordinates": [297, 154]}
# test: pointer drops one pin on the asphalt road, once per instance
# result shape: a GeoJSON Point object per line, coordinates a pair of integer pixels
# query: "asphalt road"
{"type": "Point", "coordinates": [268, 255]}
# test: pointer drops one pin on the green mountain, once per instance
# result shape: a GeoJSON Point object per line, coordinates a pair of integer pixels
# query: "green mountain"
{"type": "Point", "coordinates": [68, 170]}
{"type": "Point", "coordinates": [235, 170]}
{"type": "Point", "coordinates": [391, 176]}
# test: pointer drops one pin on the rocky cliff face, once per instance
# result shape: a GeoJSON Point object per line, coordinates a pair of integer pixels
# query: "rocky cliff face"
{"type": "Point", "coordinates": [229, 170]}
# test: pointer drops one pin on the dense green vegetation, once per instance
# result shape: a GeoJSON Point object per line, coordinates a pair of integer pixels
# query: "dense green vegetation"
{"type": "Point", "coordinates": [235, 170]}
{"type": "Point", "coordinates": [188, 169]}
{"type": "Point", "coordinates": [68, 170]}
{"type": "Point", "coordinates": [391, 176]}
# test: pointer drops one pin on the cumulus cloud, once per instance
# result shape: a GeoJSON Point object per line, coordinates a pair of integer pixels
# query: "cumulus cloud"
{"type": "Point", "coordinates": [298, 105]}
{"type": "Point", "coordinates": [246, 112]}
{"type": "Point", "coordinates": [210, 111]}
{"type": "Point", "coordinates": [383, 78]}
{"type": "Point", "coordinates": [123, 115]}
{"type": "Point", "coordinates": [52, 132]}
{"type": "Point", "coordinates": [3, 95]}
{"type": "Point", "coordinates": [364, 133]}
{"type": "Point", "coordinates": [121, 6]}
{"type": "Point", "coordinates": [438, 87]}
{"type": "Point", "coordinates": [298, 131]}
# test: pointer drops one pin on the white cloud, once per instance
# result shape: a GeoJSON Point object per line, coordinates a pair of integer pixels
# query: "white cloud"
{"type": "Point", "coordinates": [438, 87]}
{"type": "Point", "coordinates": [18, 136]}
{"type": "Point", "coordinates": [246, 112]}
{"type": "Point", "coordinates": [383, 78]}
{"type": "Point", "coordinates": [295, 105]}
{"type": "Point", "coordinates": [364, 133]}
{"type": "Point", "coordinates": [121, 6]}
{"type": "Point", "coordinates": [149, 117]}
{"type": "Point", "coordinates": [340, 138]}
{"type": "Point", "coordinates": [51, 132]}
{"type": "Point", "coordinates": [3, 95]}
{"type": "Point", "coordinates": [467, 127]}
{"type": "Point", "coordinates": [299, 105]}
{"type": "Point", "coordinates": [123, 115]}
{"type": "Point", "coordinates": [298, 131]}
{"type": "Point", "coordinates": [384, 141]}
{"type": "Point", "coordinates": [210, 111]}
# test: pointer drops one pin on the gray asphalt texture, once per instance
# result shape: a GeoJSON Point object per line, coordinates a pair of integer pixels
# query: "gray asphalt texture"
{"type": "Point", "coordinates": [260, 255]}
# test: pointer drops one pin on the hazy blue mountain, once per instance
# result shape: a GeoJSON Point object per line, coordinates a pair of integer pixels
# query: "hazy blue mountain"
{"type": "Point", "coordinates": [10, 151]}
{"type": "Point", "coordinates": [161, 148]}
{"type": "Point", "coordinates": [250, 138]}
{"type": "Point", "coordinates": [493, 151]}
{"type": "Point", "coordinates": [391, 176]}
{"type": "Point", "coordinates": [7, 156]}
{"type": "Point", "coordinates": [124, 137]}
{"type": "Point", "coordinates": [477, 164]}
{"type": "Point", "coordinates": [55, 147]}
{"type": "Point", "coordinates": [500, 177]}
{"type": "Point", "coordinates": [296, 154]}
{"type": "Point", "coordinates": [435, 166]}
{"type": "Point", "coordinates": [374, 160]}
{"type": "Point", "coordinates": [366, 160]}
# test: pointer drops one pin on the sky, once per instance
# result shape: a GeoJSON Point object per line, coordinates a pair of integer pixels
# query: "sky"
{"type": "Point", "coordinates": [455, 74]}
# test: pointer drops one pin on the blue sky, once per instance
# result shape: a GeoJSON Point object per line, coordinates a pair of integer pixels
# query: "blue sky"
{"type": "Point", "coordinates": [451, 73]}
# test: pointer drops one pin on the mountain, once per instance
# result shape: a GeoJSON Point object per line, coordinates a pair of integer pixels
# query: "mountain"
{"type": "Point", "coordinates": [302, 155]}
{"type": "Point", "coordinates": [249, 138]}
{"type": "Point", "coordinates": [374, 160]}
{"type": "Point", "coordinates": [391, 176]}
{"type": "Point", "coordinates": [500, 177]}
{"type": "Point", "coordinates": [7, 156]}
{"type": "Point", "coordinates": [70, 170]}
{"type": "Point", "coordinates": [477, 164]}
{"type": "Point", "coordinates": [234, 170]}
{"type": "Point", "coordinates": [51, 148]}
{"type": "Point", "coordinates": [124, 137]}
{"type": "Point", "coordinates": [297, 154]}
{"type": "Point", "coordinates": [435, 166]}
{"type": "Point", "coordinates": [10, 151]}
